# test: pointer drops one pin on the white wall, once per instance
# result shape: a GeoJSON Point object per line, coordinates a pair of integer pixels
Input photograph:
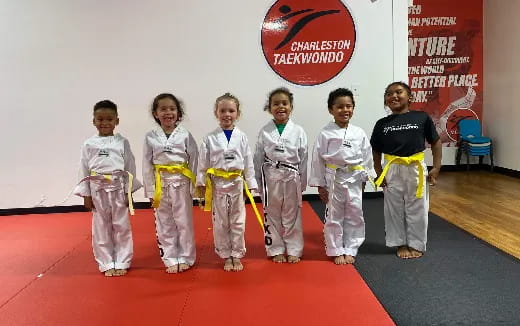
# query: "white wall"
{"type": "Point", "coordinates": [502, 80]}
{"type": "Point", "coordinates": [59, 57]}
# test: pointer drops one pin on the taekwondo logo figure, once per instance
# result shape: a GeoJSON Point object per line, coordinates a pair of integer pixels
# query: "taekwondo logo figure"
{"type": "Point", "coordinates": [311, 44]}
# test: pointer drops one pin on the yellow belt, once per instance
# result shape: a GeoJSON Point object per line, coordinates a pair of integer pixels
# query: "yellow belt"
{"type": "Point", "coordinates": [228, 175]}
{"type": "Point", "coordinates": [352, 168]}
{"type": "Point", "coordinates": [179, 168]}
{"type": "Point", "coordinates": [108, 177]}
{"type": "Point", "coordinates": [416, 158]}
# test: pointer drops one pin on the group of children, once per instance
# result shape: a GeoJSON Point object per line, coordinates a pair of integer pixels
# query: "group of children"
{"type": "Point", "coordinates": [218, 173]}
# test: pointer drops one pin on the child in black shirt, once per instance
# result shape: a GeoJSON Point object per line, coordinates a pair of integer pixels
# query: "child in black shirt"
{"type": "Point", "coordinates": [401, 138]}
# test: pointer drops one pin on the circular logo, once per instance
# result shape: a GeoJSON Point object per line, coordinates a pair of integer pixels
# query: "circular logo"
{"type": "Point", "coordinates": [308, 42]}
{"type": "Point", "coordinates": [452, 122]}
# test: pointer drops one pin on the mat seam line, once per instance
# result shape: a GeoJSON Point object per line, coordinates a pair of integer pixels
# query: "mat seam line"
{"type": "Point", "coordinates": [188, 294]}
{"type": "Point", "coordinates": [44, 272]}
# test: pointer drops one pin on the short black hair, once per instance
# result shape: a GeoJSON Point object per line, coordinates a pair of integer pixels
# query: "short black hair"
{"type": "Point", "coordinates": [340, 92]}
{"type": "Point", "coordinates": [105, 104]}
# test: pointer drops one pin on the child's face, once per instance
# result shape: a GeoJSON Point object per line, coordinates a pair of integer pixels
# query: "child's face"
{"type": "Point", "coordinates": [280, 108]}
{"type": "Point", "coordinates": [397, 99]}
{"type": "Point", "coordinates": [105, 121]}
{"type": "Point", "coordinates": [227, 113]}
{"type": "Point", "coordinates": [342, 110]}
{"type": "Point", "coordinates": [166, 113]}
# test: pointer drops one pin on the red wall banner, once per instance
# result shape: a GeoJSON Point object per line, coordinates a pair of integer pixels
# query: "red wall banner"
{"type": "Point", "coordinates": [445, 64]}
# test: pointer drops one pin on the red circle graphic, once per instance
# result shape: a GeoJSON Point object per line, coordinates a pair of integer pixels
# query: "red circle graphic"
{"type": "Point", "coordinates": [308, 42]}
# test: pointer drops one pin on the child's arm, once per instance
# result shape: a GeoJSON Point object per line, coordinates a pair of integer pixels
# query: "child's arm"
{"type": "Point", "coordinates": [258, 160]}
{"type": "Point", "coordinates": [377, 165]}
{"type": "Point", "coordinates": [368, 161]}
{"type": "Point", "coordinates": [148, 170]}
{"type": "Point", "coordinates": [249, 169]}
{"type": "Point", "coordinates": [317, 175]}
{"type": "Point", "coordinates": [83, 189]}
{"type": "Point", "coordinates": [130, 166]}
{"type": "Point", "coordinates": [193, 157]}
{"type": "Point", "coordinates": [437, 157]}
{"type": "Point", "coordinates": [303, 153]}
{"type": "Point", "coordinates": [202, 166]}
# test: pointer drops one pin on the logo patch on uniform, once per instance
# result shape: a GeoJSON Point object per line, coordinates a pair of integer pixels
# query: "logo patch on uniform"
{"type": "Point", "coordinates": [168, 148]}
{"type": "Point", "coordinates": [103, 152]}
{"type": "Point", "coordinates": [280, 147]}
{"type": "Point", "coordinates": [347, 143]}
{"type": "Point", "coordinates": [228, 155]}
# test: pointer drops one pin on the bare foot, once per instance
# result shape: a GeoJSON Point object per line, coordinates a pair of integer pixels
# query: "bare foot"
{"type": "Point", "coordinates": [349, 259]}
{"type": "Point", "coordinates": [279, 258]}
{"type": "Point", "coordinates": [340, 260]}
{"type": "Point", "coordinates": [414, 253]}
{"type": "Point", "coordinates": [237, 264]}
{"type": "Point", "coordinates": [228, 264]}
{"type": "Point", "coordinates": [120, 272]}
{"type": "Point", "coordinates": [110, 272]}
{"type": "Point", "coordinates": [293, 259]}
{"type": "Point", "coordinates": [174, 269]}
{"type": "Point", "coordinates": [183, 267]}
{"type": "Point", "coordinates": [403, 252]}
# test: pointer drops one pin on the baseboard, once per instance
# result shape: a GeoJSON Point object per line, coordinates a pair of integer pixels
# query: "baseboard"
{"type": "Point", "coordinates": [476, 167]}
{"type": "Point", "coordinates": [137, 205]}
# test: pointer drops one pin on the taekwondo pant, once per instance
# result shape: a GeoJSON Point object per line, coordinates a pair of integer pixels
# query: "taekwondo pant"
{"type": "Point", "coordinates": [174, 225]}
{"type": "Point", "coordinates": [406, 217]}
{"type": "Point", "coordinates": [344, 228]}
{"type": "Point", "coordinates": [111, 231]}
{"type": "Point", "coordinates": [229, 218]}
{"type": "Point", "coordinates": [282, 211]}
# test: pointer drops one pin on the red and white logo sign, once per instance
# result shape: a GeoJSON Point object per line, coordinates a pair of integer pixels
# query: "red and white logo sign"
{"type": "Point", "coordinates": [308, 42]}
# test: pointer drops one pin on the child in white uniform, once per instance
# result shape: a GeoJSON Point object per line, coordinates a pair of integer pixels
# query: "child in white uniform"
{"type": "Point", "coordinates": [341, 165]}
{"type": "Point", "coordinates": [281, 171]}
{"type": "Point", "coordinates": [107, 168]}
{"type": "Point", "coordinates": [169, 162]}
{"type": "Point", "coordinates": [225, 162]}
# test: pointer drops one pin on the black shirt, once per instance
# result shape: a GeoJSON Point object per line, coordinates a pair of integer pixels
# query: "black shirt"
{"type": "Point", "coordinates": [403, 134]}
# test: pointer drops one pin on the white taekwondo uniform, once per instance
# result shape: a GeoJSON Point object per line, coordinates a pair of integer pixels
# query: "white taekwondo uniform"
{"type": "Point", "coordinates": [104, 167]}
{"type": "Point", "coordinates": [341, 162]}
{"type": "Point", "coordinates": [229, 216]}
{"type": "Point", "coordinates": [174, 215]}
{"type": "Point", "coordinates": [281, 172]}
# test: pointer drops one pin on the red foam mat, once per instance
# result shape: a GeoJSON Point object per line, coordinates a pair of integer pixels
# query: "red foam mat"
{"type": "Point", "coordinates": [72, 291]}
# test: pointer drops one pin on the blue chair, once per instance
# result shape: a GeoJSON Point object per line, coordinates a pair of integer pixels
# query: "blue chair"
{"type": "Point", "coordinates": [472, 142]}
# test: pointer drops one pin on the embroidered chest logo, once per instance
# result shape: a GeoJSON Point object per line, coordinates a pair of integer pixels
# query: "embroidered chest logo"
{"type": "Point", "coordinates": [347, 143]}
{"type": "Point", "coordinates": [229, 156]}
{"type": "Point", "coordinates": [103, 153]}
{"type": "Point", "coordinates": [168, 148]}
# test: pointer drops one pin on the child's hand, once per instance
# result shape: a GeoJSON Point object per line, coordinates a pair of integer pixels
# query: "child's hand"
{"type": "Point", "coordinates": [432, 176]}
{"type": "Point", "coordinates": [383, 184]}
{"type": "Point", "coordinates": [324, 194]}
{"type": "Point", "coordinates": [88, 203]}
{"type": "Point", "coordinates": [379, 171]}
{"type": "Point", "coordinates": [202, 191]}
{"type": "Point", "coordinates": [254, 192]}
